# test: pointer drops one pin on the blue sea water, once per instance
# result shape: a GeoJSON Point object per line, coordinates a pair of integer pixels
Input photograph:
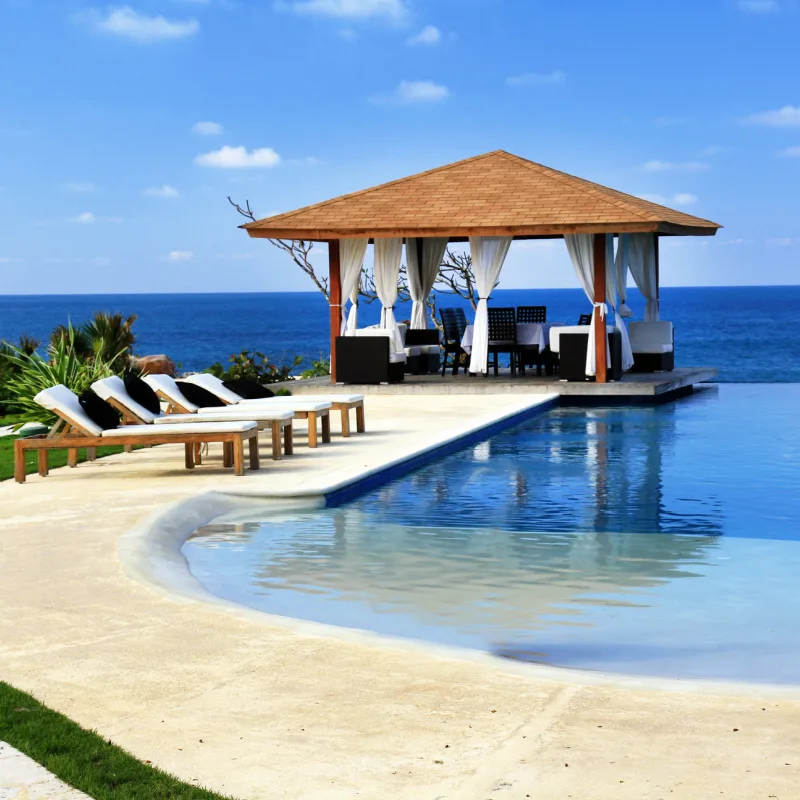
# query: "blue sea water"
{"type": "Point", "coordinates": [750, 333]}
{"type": "Point", "coordinates": [658, 541]}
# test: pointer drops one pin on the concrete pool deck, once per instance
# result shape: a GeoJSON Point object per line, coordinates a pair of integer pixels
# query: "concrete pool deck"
{"type": "Point", "coordinates": [262, 708]}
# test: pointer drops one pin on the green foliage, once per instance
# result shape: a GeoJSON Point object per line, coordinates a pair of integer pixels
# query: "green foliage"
{"type": "Point", "coordinates": [8, 369]}
{"type": "Point", "coordinates": [108, 337]}
{"type": "Point", "coordinates": [319, 368]}
{"type": "Point", "coordinates": [254, 366]}
{"type": "Point", "coordinates": [111, 338]}
{"type": "Point", "coordinates": [63, 365]}
{"type": "Point", "coordinates": [82, 758]}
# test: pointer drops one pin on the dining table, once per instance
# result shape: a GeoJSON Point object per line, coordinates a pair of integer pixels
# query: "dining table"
{"type": "Point", "coordinates": [528, 335]}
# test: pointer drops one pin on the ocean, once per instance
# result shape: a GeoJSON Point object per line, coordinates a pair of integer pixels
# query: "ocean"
{"type": "Point", "coordinates": [752, 334]}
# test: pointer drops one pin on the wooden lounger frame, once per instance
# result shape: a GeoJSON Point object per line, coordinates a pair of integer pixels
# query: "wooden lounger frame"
{"type": "Point", "coordinates": [74, 436]}
{"type": "Point", "coordinates": [174, 407]}
{"type": "Point", "coordinates": [276, 427]}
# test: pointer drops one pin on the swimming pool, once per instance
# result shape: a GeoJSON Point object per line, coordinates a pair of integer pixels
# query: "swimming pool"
{"type": "Point", "coordinates": [653, 541]}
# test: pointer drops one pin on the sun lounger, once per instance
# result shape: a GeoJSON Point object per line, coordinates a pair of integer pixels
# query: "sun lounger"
{"type": "Point", "coordinates": [75, 429]}
{"type": "Point", "coordinates": [339, 402]}
{"type": "Point", "coordinates": [166, 388]}
{"type": "Point", "coordinates": [277, 420]}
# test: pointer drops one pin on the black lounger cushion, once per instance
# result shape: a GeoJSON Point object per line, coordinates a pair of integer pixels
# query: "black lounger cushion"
{"type": "Point", "coordinates": [198, 395]}
{"type": "Point", "coordinates": [139, 391]}
{"type": "Point", "coordinates": [249, 390]}
{"type": "Point", "coordinates": [98, 411]}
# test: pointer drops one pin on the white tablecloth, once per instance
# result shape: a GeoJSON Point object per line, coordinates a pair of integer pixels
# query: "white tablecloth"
{"type": "Point", "coordinates": [528, 333]}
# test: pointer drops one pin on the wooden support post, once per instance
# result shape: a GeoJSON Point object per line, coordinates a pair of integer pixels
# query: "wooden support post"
{"type": "Point", "coordinates": [658, 275]}
{"type": "Point", "coordinates": [255, 458]}
{"type": "Point", "coordinates": [276, 440]}
{"type": "Point", "coordinates": [238, 456]}
{"type": "Point", "coordinates": [288, 440]}
{"type": "Point", "coordinates": [335, 295]}
{"type": "Point", "coordinates": [600, 337]}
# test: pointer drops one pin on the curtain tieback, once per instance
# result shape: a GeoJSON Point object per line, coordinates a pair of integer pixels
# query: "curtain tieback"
{"type": "Point", "coordinates": [487, 299]}
{"type": "Point", "coordinates": [603, 309]}
{"type": "Point", "coordinates": [388, 308]}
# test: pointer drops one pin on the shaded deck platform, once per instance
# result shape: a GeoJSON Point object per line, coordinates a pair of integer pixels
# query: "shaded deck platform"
{"type": "Point", "coordinates": [639, 388]}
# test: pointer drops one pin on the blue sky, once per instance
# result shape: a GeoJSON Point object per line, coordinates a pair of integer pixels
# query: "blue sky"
{"type": "Point", "coordinates": [124, 128]}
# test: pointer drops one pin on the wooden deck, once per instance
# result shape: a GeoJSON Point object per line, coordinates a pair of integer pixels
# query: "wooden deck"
{"type": "Point", "coordinates": [639, 388]}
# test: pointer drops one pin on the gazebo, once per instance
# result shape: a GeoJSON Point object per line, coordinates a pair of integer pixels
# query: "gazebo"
{"type": "Point", "coordinates": [489, 200]}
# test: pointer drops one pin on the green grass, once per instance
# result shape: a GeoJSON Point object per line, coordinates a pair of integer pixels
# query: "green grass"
{"type": "Point", "coordinates": [56, 458]}
{"type": "Point", "coordinates": [83, 759]}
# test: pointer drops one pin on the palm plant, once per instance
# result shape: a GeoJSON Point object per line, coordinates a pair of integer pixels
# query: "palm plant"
{"type": "Point", "coordinates": [64, 365]}
{"type": "Point", "coordinates": [111, 337]}
{"type": "Point", "coordinates": [77, 341]}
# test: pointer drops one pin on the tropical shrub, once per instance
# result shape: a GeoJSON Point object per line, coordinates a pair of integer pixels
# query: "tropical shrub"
{"type": "Point", "coordinates": [8, 368]}
{"type": "Point", "coordinates": [319, 368]}
{"type": "Point", "coordinates": [254, 366]}
{"type": "Point", "coordinates": [64, 364]}
{"type": "Point", "coordinates": [108, 337]}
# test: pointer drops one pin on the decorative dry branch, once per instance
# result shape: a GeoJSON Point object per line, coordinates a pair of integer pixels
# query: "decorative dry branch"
{"type": "Point", "coordinates": [455, 274]}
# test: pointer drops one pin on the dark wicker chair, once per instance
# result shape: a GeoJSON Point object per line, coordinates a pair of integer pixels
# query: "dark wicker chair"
{"type": "Point", "coordinates": [454, 323]}
{"type": "Point", "coordinates": [585, 319]}
{"type": "Point", "coordinates": [531, 313]}
{"type": "Point", "coordinates": [529, 356]}
{"type": "Point", "coordinates": [503, 337]}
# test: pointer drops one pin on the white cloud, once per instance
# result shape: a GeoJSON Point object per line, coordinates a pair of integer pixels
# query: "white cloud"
{"type": "Point", "coordinates": [180, 255]}
{"type": "Point", "coordinates": [791, 152]}
{"type": "Point", "coordinates": [537, 79]}
{"type": "Point", "coordinates": [392, 10]}
{"type": "Point", "coordinates": [680, 199]}
{"type": "Point", "coordinates": [307, 161]}
{"type": "Point", "coordinates": [88, 218]}
{"type": "Point", "coordinates": [430, 34]}
{"type": "Point", "coordinates": [409, 92]}
{"type": "Point", "coordinates": [735, 242]}
{"type": "Point", "coordinates": [207, 128]}
{"type": "Point", "coordinates": [80, 187]}
{"type": "Point", "coordinates": [165, 191]}
{"type": "Point", "coordinates": [10, 260]}
{"type": "Point", "coordinates": [671, 166]}
{"type": "Point", "coordinates": [786, 117]}
{"type": "Point", "coordinates": [783, 241]}
{"type": "Point", "coordinates": [239, 158]}
{"type": "Point", "coordinates": [758, 6]}
{"type": "Point", "coordinates": [129, 24]}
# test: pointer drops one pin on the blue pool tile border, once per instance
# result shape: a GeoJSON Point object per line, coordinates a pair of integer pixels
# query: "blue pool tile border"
{"type": "Point", "coordinates": [383, 476]}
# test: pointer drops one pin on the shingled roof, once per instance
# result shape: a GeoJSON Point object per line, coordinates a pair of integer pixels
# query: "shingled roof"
{"type": "Point", "coordinates": [496, 194]}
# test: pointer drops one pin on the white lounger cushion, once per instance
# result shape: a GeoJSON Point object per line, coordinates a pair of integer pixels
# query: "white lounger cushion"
{"type": "Point", "coordinates": [651, 337]}
{"type": "Point", "coordinates": [61, 400]}
{"type": "Point", "coordinates": [113, 388]}
{"type": "Point", "coordinates": [429, 349]}
{"type": "Point", "coordinates": [181, 430]}
{"type": "Point", "coordinates": [319, 398]}
{"type": "Point", "coordinates": [555, 333]}
{"type": "Point", "coordinates": [254, 406]}
{"type": "Point", "coordinates": [253, 415]}
{"type": "Point", "coordinates": [214, 385]}
{"type": "Point", "coordinates": [170, 389]}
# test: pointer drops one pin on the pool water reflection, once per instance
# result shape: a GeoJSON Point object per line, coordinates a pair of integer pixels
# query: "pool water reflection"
{"type": "Point", "coordinates": [659, 541]}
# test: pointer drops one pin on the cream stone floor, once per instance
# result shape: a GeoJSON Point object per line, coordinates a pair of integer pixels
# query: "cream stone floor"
{"type": "Point", "coordinates": [259, 709]}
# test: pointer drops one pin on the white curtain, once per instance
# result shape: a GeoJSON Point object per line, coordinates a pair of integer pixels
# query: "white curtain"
{"type": "Point", "coordinates": [621, 265]}
{"type": "Point", "coordinates": [421, 277]}
{"type": "Point", "coordinates": [611, 295]}
{"type": "Point", "coordinates": [643, 268]}
{"type": "Point", "coordinates": [488, 254]}
{"type": "Point", "coordinates": [581, 251]}
{"type": "Point", "coordinates": [388, 255]}
{"type": "Point", "coordinates": [351, 260]}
